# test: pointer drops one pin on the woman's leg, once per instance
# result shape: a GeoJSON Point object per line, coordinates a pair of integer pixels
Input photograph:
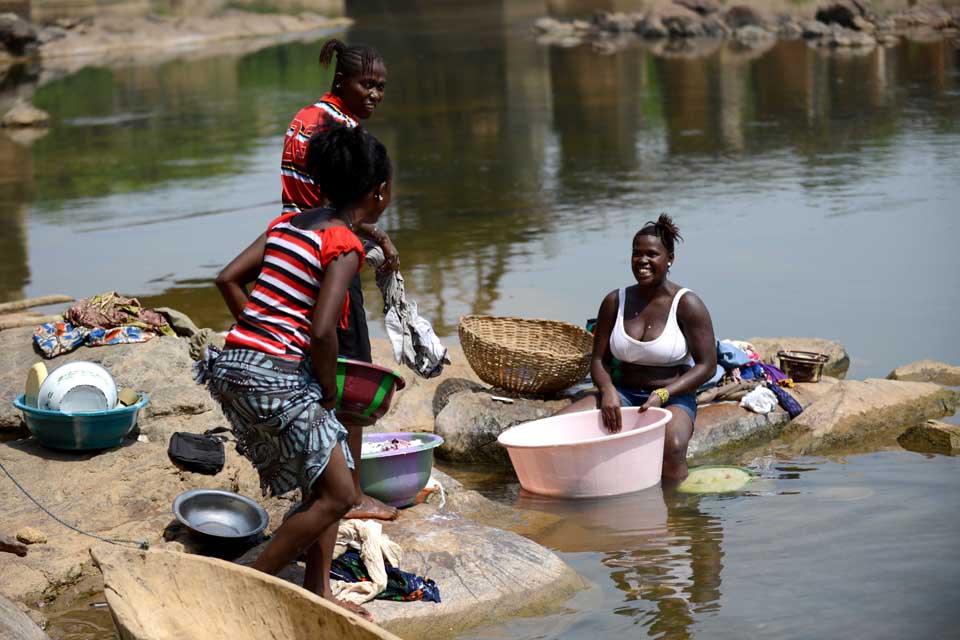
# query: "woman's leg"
{"type": "Point", "coordinates": [679, 430]}
{"type": "Point", "coordinates": [586, 403]}
{"type": "Point", "coordinates": [331, 498]}
{"type": "Point", "coordinates": [366, 507]}
{"type": "Point", "coordinates": [316, 577]}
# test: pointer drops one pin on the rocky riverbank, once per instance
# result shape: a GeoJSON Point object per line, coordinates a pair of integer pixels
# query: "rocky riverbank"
{"type": "Point", "coordinates": [839, 23]}
{"type": "Point", "coordinates": [474, 549]}
{"type": "Point", "coordinates": [68, 44]}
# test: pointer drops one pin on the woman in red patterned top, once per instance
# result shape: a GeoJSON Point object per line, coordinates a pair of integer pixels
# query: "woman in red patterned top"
{"type": "Point", "coordinates": [276, 377]}
{"type": "Point", "coordinates": [359, 82]}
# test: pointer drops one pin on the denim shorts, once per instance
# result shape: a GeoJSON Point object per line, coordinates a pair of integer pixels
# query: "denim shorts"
{"type": "Point", "coordinates": [635, 398]}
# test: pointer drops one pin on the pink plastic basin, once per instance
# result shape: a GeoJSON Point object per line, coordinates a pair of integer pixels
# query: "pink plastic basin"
{"type": "Point", "coordinates": [574, 456]}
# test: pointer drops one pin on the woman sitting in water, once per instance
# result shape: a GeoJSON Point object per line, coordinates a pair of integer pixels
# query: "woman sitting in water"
{"type": "Point", "coordinates": [662, 337]}
{"type": "Point", "coordinates": [276, 377]}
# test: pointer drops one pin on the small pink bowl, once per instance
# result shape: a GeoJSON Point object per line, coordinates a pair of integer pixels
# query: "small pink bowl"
{"type": "Point", "coordinates": [574, 456]}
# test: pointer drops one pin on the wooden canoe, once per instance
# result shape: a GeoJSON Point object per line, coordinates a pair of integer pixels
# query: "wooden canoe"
{"type": "Point", "coordinates": [163, 595]}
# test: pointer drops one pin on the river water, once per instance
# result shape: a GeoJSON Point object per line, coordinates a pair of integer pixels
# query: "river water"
{"type": "Point", "coordinates": [817, 195]}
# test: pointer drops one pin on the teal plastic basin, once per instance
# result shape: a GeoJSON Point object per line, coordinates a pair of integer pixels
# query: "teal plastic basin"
{"type": "Point", "coordinates": [81, 431]}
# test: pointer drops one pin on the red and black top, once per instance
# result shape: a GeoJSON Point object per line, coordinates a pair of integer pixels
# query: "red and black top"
{"type": "Point", "coordinates": [299, 191]}
{"type": "Point", "coordinates": [277, 317]}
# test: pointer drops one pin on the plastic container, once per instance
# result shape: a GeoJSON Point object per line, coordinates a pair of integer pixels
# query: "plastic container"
{"type": "Point", "coordinates": [397, 476]}
{"type": "Point", "coordinates": [364, 391]}
{"type": "Point", "coordinates": [575, 456]}
{"type": "Point", "coordinates": [81, 431]}
{"type": "Point", "coordinates": [802, 366]}
{"type": "Point", "coordinates": [78, 387]}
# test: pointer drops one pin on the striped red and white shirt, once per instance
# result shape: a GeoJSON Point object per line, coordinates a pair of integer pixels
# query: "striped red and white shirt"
{"type": "Point", "coordinates": [299, 191]}
{"type": "Point", "coordinates": [277, 317]}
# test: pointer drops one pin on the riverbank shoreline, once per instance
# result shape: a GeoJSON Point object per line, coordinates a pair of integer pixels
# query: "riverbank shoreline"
{"type": "Point", "coordinates": [107, 39]}
{"type": "Point", "coordinates": [685, 24]}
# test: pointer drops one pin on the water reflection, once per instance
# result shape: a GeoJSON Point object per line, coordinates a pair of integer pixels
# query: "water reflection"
{"type": "Point", "coordinates": [663, 554]}
{"type": "Point", "coordinates": [520, 169]}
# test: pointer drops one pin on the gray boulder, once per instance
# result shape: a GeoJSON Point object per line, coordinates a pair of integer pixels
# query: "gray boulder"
{"type": "Point", "coordinates": [16, 625]}
{"type": "Point", "coordinates": [741, 15]}
{"type": "Point", "coordinates": [932, 436]}
{"type": "Point", "coordinates": [24, 114]}
{"type": "Point", "coordinates": [17, 35]}
{"type": "Point", "coordinates": [928, 371]}
{"type": "Point", "coordinates": [471, 422]}
{"type": "Point", "coordinates": [868, 410]}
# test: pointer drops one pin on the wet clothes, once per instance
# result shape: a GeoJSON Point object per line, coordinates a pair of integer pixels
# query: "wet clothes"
{"type": "Point", "coordinates": [401, 585]}
{"type": "Point", "coordinates": [300, 193]}
{"type": "Point", "coordinates": [273, 406]}
{"type": "Point", "coordinates": [277, 316]}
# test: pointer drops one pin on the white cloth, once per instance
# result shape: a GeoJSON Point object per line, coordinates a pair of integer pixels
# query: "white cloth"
{"type": "Point", "coordinates": [760, 400]}
{"type": "Point", "coordinates": [414, 341]}
{"type": "Point", "coordinates": [375, 548]}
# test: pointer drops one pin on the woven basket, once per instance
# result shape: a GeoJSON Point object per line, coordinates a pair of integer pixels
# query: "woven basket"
{"type": "Point", "coordinates": [526, 356]}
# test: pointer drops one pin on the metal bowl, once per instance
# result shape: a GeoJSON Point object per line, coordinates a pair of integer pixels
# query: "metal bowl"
{"type": "Point", "coordinates": [220, 514]}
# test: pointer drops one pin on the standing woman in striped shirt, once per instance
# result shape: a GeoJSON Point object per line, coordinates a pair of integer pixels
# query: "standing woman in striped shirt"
{"type": "Point", "coordinates": [359, 82]}
{"type": "Point", "coordinates": [276, 376]}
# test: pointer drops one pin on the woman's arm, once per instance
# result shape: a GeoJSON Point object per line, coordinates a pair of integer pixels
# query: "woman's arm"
{"type": "Point", "coordinates": [242, 270]}
{"type": "Point", "coordinates": [609, 397]}
{"type": "Point", "coordinates": [326, 315]}
{"type": "Point", "coordinates": [697, 328]}
{"type": "Point", "coordinates": [391, 257]}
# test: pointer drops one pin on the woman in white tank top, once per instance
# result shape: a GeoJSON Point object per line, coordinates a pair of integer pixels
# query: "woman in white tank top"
{"type": "Point", "coordinates": [653, 346]}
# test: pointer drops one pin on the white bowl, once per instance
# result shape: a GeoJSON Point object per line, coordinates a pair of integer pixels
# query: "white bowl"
{"type": "Point", "coordinates": [78, 387]}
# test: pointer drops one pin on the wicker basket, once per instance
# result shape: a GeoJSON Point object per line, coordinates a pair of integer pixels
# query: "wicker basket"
{"type": "Point", "coordinates": [526, 356]}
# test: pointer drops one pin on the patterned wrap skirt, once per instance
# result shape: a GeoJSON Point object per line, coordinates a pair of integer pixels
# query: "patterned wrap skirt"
{"type": "Point", "coordinates": [273, 405]}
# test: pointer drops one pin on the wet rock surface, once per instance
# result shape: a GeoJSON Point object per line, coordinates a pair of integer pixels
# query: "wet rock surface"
{"type": "Point", "coordinates": [928, 371]}
{"type": "Point", "coordinates": [932, 436]}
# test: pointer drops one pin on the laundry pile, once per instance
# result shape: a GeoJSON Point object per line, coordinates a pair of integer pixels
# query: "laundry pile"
{"type": "Point", "coordinates": [104, 319]}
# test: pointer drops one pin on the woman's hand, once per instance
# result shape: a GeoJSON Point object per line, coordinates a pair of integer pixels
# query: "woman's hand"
{"type": "Point", "coordinates": [330, 403]}
{"type": "Point", "coordinates": [653, 401]}
{"type": "Point", "coordinates": [610, 410]}
{"type": "Point", "coordinates": [391, 257]}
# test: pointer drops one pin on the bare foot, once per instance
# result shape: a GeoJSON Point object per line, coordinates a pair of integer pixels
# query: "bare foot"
{"type": "Point", "coordinates": [353, 608]}
{"type": "Point", "coordinates": [372, 509]}
{"type": "Point", "coordinates": [9, 545]}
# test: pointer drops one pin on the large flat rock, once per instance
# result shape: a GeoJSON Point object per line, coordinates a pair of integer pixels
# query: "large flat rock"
{"type": "Point", "coordinates": [928, 371]}
{"type": "Point", "coordinates": [860, 410]}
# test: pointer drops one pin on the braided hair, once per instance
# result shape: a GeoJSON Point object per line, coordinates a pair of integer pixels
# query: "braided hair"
{"type": "Point", "coordinates": [347, 163]}
{"type": "Point", "coordinates": [352, 61]}
{"type": "Point", "coordinates": [665, 229]}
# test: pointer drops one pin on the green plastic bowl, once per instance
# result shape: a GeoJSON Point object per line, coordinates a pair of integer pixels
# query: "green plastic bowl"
{"type": "Point", "coordinates": [81, 431]}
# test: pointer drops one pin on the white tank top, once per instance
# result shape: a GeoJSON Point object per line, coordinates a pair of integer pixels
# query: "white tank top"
{"type": "Point", "coordinates": [667, 349]}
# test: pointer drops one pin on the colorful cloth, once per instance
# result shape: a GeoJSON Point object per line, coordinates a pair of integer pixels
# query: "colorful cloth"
{"type": "Point", "coordinates": [273, 405]}
{"type": "Point", "coordinates": [298, 190]}
{"type": "Point", "coordinates": [402, 586]}
{"type": "Point", "coordinates": [56, 338]}
{"type": "Point", "coordinates": [110, 310]}
{"type": "Point", "coordinates": [277, 316]}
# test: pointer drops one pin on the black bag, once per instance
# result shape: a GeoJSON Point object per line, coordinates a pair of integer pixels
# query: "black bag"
{"type": "Point", "coordinates": [200, 453]}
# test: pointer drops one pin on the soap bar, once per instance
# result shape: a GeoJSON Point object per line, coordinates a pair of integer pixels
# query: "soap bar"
{"type": "Point", "coordinates": [127, 397]}
{"type": "Point", "coordinates": [35, 377]}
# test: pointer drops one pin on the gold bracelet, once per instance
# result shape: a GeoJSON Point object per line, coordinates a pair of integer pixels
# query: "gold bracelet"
{"type": "Point", "coordinates": [664, 395]}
